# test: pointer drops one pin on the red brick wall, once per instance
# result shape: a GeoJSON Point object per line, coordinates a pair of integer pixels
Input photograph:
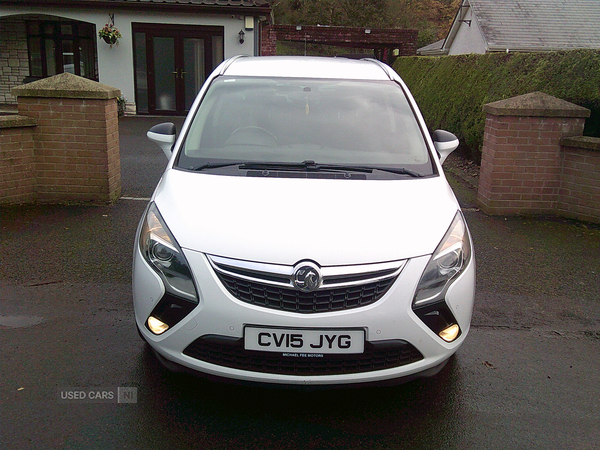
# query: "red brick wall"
{"type": "Point", "coordinates": [405, 40]}
{"type": "Point", "coordinates": [17, 165]}
{"type": "Point", "coordinates": [268, 41]}
{"type": "Point", "coordinates": [579, 193]}
{"type": "Point", "coordinates": [521, 163]}
{"type": "Point", "coordinates": [76, 147]}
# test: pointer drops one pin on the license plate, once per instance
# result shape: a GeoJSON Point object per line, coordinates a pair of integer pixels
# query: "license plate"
{"type": "Point", "coordinates": [291, 340]}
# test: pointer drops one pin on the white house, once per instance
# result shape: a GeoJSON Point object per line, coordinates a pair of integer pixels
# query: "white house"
{"type": "Point", "coordinates": [167, 48]}
{"type": "Point", "coordinates": [483, 26]}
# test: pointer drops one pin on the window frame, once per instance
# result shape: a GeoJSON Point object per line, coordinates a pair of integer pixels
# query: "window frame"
{"type": "Point", "coordinates": [37, 30]}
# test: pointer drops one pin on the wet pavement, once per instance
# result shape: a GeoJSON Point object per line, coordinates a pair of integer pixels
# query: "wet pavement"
{"type": "Point", "coordinates": [527, 376]}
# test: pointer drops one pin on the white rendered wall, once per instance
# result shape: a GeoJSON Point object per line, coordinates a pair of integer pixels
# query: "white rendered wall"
{"type": "Point", "coordinates": [468, 39]}
{"type": "Point", "coordinates": [115, 65]}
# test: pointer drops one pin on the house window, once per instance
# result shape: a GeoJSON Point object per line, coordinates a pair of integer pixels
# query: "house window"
{"type": "Point", "coordinates": [57, 47]}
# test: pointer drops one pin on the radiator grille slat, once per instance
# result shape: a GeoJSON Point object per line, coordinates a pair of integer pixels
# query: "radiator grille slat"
{"type": "Point", "coordinates": [324, 300]}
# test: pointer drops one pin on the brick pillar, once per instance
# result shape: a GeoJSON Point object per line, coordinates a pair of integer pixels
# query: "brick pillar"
{"type": "Point", "coordinates": [521, 156]}
{"type": "Point", "coordinates": [76, 139]}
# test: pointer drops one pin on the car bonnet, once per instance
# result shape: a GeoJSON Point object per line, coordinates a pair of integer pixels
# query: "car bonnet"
{"type": "Point", "coordinates": [286, 220]}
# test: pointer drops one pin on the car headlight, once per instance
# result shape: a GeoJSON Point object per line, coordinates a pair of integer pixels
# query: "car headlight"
{"type": "Point", "coordinates": [448, 260]}
{"type": "Point", "coordinates": [163, 254]}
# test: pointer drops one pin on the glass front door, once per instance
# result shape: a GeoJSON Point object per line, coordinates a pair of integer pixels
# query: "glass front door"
{"type": "Point", "coordinates": [171, 64]}
{"type": "Point", "coordinates": [194, 72]}
{"type": "Point", "coordinates": [165, 74]}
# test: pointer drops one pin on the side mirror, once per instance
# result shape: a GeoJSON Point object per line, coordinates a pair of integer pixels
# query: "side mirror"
{"type": "Point", "coordinates": [163, 135]}
{"type": "Point", "coordinates": [445, 143]}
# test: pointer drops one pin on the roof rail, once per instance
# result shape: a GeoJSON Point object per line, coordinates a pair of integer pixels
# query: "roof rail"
{"type": "Point", "coordinates": [387, 69]}
{"type": "Point", "coordinates": [228, 62]}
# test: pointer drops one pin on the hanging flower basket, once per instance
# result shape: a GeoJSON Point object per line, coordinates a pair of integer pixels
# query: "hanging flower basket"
{"type": "Point", "coordinates": [110, 34]}
{"type": "Point", "coordinates": [110, 40]}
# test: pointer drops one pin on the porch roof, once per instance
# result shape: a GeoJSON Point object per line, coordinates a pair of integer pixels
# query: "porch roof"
{"type": "Point", "coordinates": [208, 6]}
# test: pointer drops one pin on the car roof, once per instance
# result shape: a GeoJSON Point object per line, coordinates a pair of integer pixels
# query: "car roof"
{"type": "Point", "coordinates": [307, 67]}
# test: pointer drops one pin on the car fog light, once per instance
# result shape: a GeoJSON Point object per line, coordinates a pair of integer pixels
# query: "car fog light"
{"type": "Point", "coordinates": [157, 326]}
{"type": "Point", "coordinates": [450, 333]}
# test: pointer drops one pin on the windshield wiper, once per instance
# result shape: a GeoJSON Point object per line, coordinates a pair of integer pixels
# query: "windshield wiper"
{"type": "Point", "coordinates": [400, 171]}
{"type": "Point", "coordinates": [365, 169]}
{"type": "Point", "coordinates": [211, 165]}
{"type": "Point", "coordinates": [308, 165]}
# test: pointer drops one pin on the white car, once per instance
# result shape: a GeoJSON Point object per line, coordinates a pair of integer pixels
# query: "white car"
{"type": "Point", "coordinates": [303, 232]}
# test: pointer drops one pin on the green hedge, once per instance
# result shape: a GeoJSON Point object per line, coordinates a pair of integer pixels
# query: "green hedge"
{"type": "Point", "coordinates": [451, 90]}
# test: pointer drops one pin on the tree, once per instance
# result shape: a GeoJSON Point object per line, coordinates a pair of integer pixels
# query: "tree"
{"type": "Point", "coordinates": [431, 17]}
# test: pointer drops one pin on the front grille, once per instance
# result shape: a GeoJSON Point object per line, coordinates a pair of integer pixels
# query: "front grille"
{"type": "Point", "coordinates": [230, 352]}
{"type": "Point", "coordinates": [335, 299]}
{"type": "Point", "coordinates": [340, 288]}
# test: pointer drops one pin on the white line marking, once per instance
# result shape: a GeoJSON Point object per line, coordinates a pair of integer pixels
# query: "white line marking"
{"type": "Point", "coordinates": [139, 199]}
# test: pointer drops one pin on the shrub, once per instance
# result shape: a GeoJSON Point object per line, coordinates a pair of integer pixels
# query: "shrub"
{"type": "Point", "coordinates": [451, 90]}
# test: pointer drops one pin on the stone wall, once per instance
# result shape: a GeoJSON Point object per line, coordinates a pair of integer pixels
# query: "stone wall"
{"type": "Point", "coordinates": [525, 167]}
{"type": "Point", "coordinates": [14, 60]}
{"type": "Point", "coordinates": [579, 192]}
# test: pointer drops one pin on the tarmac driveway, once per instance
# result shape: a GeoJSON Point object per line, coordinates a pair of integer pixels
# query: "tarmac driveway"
{"type": "Point", "coordinates": [527, 376]}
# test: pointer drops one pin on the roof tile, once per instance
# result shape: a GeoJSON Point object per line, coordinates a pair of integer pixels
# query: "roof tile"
{"type": "Point", "coordinates": [539, 24]}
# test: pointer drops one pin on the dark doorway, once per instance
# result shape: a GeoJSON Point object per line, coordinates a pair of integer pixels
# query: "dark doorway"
{"type": "Point", "coordinates": [171, 64]}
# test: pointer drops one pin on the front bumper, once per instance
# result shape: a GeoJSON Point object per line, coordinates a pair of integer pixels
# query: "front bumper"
{"type": "Point", "coordinates": [210, 339]}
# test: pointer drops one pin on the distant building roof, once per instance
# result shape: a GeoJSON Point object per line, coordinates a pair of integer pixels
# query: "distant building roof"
{"type": "Point", "coordinates": [170, 4]}
{"type": "Point", "coordinates": [432, 49]}
{"type": "Point", "coordinates": [200, 2]}
{"type": "Point", "coordinates": [539, 24]}
{"type": "Point", "coordinates": [529, 25]}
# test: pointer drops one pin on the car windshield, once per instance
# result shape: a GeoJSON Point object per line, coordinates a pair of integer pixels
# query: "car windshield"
{"type": "Point", "coordinates": [277, 120]}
